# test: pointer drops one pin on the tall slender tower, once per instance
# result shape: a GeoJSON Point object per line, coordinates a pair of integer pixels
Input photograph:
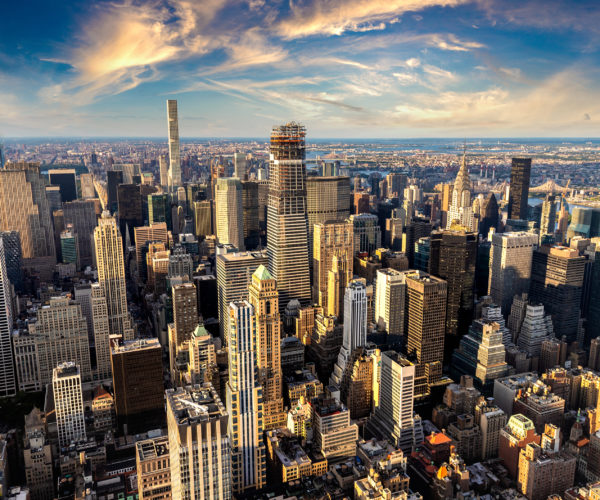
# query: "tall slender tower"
{"type": "Point", "coordinates": [520, 172]}
{"type": "Point", "coordinates": [8, 383]}
{"type": "Point", "coordinates": [460, 210]}
{"type": "Point", "coordinates": [245, 401]}
{"type": "Point", "coordinates": [287, 232]}
{"type": "Point", "coordinates": [264, 298]}
{"type": "Point", "coordinates": [174, 155]}
{"type": "Point", "coordinates": [111, 274]}
{"type": "Point", "coordinates": [229, 213]}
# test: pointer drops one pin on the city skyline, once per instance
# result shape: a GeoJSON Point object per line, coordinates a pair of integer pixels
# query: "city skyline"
{"type": "Point", "coordinates": [436, 68]}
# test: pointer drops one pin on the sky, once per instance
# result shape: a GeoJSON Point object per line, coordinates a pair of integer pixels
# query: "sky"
{"type": "Point", "coordinates": [345, 69]}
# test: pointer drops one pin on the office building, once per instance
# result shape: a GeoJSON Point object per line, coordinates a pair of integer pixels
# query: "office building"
{"type": "Point", "coordinates": [510, 266]}
{"type": "Point", "coordinates": [327, 199]}
{"type": "Point", "coordinates": [185, 319]}
{"type": "Point", "coordinates": [390, 301]}
{"type": "Point", "coordinates": [8, 381]}
{"type": "Point", "coordinates": [69, 247]}
{"type": "Point", "coordinates": [331, 240]}
{"type": "Point", "coordinates": [24, 208]}
{"type": "Point", "coordinates": [334, 435]}
{"type": "Point", "coordinates": [264, 298]}
{"type": "Point", "coordinates": [287, 224]}
{"type": "Point", "coordinates": [460, 211]}
{"type": "Point", "coordinates": [250, 207]}
{"type": "Point", "coordinates": [489, 217]}
{"type": "Point", "coordinates": [13, 257]}
{"type": "Point", "coordinates": [481, 355]}
{"type": "Point", "coordinates": [557, 282]}
{"type": "Point", "coordinates": [156, 232]}
{"type": "Point", "coordinates": [88, 190]}
{"type": "Point", "coordinates": [60, 334]}
{"type": "Point", "coordinates": [453, 257]}
{"type": "Point", "coordinates": [153, 467]}
{"type": "Point", "coordinates": [129, 209]}
{"type": "Point", "coordinates": [467, 436]}
{"type": "Point", "coordinates": [174, 152]}
{"type": "Point", "coordinates": [111, 274]}
{"type": "Point", "coordinates": [203, 218]}
{"type": "Point", "coordinates": [240, 166]}
{"type": "Point", "coordinates": [416, 229]}
{"type": "Point", "coordinates": [394, 418]}
{"type": "Point", "coordinates": [37, 455]}
{"type": "Point", "coordinates": [159, 209]}
{"type": "Point", "coordinates": [426, 298]}
{"type": "Point", "coordinates": [492, 312]}
{"type": "Point", "coordinates": [229, 212]}
{"type": "Point", "coordinates": [68, 403]}
{"type": "Point", "coordinates": [355, 326]}
{"type": "Point", "coordinates": [234, 275]}
{"type": "Point", "coordinates": [245, 401]}
{"type": "Point", "coordinates": [540, 405]}
{"type": "Point", "coordinates": [517, 434]}
{"type": "Point", "coordinates": [534, 329]}
{"type": "Point", "coordinates": [81, 215]}
{"type": "Point", "coordinates": [520, 172]}
{"type": "Point", "coordinates": [548, 218]}
{"type": "Point", "coordinates": [65, 179]}
{"type": "Point", "coordinates": [100, 330]}
{"type": "Point", "coordinates": [113, 179]}
{"type": "Point", "coordinates": [137, 379]}
{"type": "Point", "coordinates": [200, 449]}
{"type": "Point", "coordinates": [545, 471]}
{"type": "Point", "coordinates": [491, 420]}
{"type": "Point", "coordinates": [367, 233]}
{"type": "Point", "coordinates": [163, 169]}
{"type": "Point", "coordinates": [356, 384]}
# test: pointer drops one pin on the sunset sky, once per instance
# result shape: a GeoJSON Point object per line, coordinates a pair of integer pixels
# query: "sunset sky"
{"type": "Point", "coordinates": [358, 68]}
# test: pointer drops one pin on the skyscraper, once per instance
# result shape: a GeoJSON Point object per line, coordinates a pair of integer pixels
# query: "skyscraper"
{"type": "Point", "coordinates": [156, 232]}
{"type": "Point", "coordinates": [229, 212]}
{"type": "Point", "coordinates": [174, 154]}
{"type": "Point", "coordinates": [81, 214]}
{"type": "Point", "coordinates": [510, 266]}
{"type": "Point", "coordinates": [264, 299]}
{"type": "Point", "coordinates": [24, 208]}
{"type": "Point", "coordinates": [520, 173]}
{"type": "Point", "coordinates": [111, 274]}
{"type": "Point", "coordinates": [234, 275]}
{"type": "Point", "coordinates": [101, 331]}
{"type": "Point", "coordinates": [69, 249]}
{"type": "Point", "coordinates": [355, 325]}
{"type": "Point", "coordinates": [394, 417]}
{"type": "Point", "coordinates": [87, 186]}
{"type": "Point", "coordinates": [113, 179]}
{"type": "Point", "coordinates": [453, 257]}
{"type": "Point", "coordinates": [245, 401]}
{"type": "Point", "coordinates": [185, 318]}
{"type": "Point", "coordinates": [68, 403]}
{"type": "Point", "coordinates": [8, 382]}
{"type": "Point", "coordinates": [13, 257]}
{"type": "Point", "coordinates": [240, 165]}
{"type": "Point", "coordinates": [390, 301]}
{"type": "Point", "coordinates": [251, 210]}
{"type": "Point", "coordinates": [331, 239]}
{"type": "Point", "coordinates": [367, 233]}
{"type": "Point", "coordinates": [489, 217]}
{"type": "Point", "coordinates": [203, 217]}
{"type": "Point", "coordinates": [159, 209]}
{"type": "Point", "coordinates": [163, 168]}
{"type": "Point", "coordinates": [129, 207]}
{"type": "Point", "coordinates": [426, 298]}
{"type": "Point", "coordinates": [287, 231]}
{"type": "Point", "coordinates": [557, 282]}
{"type": "Point", "coordinates": [460, 211]}
{"type": "Point", "coordinates": [548, 219]}
{"type": "Point", "coordinates": [327, 199]}
{"type": "Point", "coordinates": [65, 179]}
{"type": "Point", "coordinates": [199, 447]}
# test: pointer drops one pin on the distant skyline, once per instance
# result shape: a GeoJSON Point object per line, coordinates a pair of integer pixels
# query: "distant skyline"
{"type": "Point", "coordinates": [355, 69]}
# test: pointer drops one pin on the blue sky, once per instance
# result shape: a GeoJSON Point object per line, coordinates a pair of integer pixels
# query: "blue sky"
{"type": "Point", "coordinates": [354, 68]}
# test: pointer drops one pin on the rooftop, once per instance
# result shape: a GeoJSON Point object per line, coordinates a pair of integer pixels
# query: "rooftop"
{"type": "Point", "coordinates": [197, 403]}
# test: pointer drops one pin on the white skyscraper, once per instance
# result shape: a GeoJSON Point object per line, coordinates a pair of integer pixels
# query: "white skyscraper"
{"type": "Point", "coordinates": [510, 266]}
{"type": "Point", "coordinates": [8, 384]}
{"type": "Point", "coordinates": [355, 326]}
{"type": "Point", "coordinates": [461, 210]}
{"type": "Point", "coordinates": [174, 154]}
{"type": "Point", "coordinates": [394, 417]}
{"type": "Point", "coordinates": [68, 403]}
{"type": "Point", "coordinates": [390, 293]}
{"type": "Point", "coordinates": [229, 213]}
{"type": "Point", "coordinates": [245, 401]}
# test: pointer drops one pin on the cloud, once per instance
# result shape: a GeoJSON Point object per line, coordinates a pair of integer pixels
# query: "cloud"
{"type": "Point", "coordinates": [334, 17]}
{"type": "Point", "coordinates": [413, 62]}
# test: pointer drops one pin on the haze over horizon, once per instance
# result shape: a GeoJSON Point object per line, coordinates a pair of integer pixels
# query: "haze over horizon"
{"type": "Point", "coordinates": [394, 69]}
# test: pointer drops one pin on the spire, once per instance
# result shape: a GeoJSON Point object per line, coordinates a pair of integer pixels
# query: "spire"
{"type": "Point", "coordinates": [463, 182]}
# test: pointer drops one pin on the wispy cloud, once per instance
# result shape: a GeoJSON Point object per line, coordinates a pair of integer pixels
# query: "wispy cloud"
{"type": "Point", "coordinates": [334, 17]}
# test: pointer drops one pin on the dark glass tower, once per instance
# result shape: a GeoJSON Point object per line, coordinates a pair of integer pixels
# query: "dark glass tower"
{"type": "Point", "coordinates": [520, 173]}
